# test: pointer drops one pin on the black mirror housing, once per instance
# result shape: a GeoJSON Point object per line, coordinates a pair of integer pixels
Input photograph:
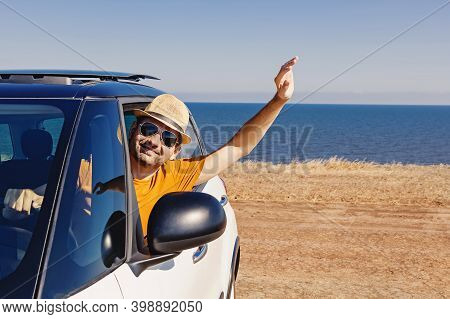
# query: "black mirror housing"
{"type": "Point", "coordinates": [113, 239]}
{"type": "Point", "coordinates": [184, 220]}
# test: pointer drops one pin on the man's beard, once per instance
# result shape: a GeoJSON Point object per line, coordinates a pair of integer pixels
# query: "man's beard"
{"type": "Point", "coordinates": [145, 159]}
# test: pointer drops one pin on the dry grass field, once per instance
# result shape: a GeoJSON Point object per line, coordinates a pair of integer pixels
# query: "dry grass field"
{"type": "Point", "coordinates": [340, 229]}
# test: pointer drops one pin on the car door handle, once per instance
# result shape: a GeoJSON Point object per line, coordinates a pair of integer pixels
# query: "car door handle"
{"type": "Point", "coordinates": [199, 253]}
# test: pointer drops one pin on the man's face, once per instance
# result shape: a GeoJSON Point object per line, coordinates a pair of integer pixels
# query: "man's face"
{"type": "Point", "coordinates": [150, 150]}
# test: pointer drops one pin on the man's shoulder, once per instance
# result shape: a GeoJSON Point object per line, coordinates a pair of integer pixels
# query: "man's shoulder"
{"type": "Point", "coordinates": [184, 160]}
{"type": "Point", "coordinates": [179, 163]}
{"type": "Point", "coordinates": [173, 164]}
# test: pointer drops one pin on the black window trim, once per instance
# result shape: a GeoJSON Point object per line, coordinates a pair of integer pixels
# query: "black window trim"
{"type": "Point", "coordinates": [131, 244]}
{"type": "Point", "coordinates": [51, 232]}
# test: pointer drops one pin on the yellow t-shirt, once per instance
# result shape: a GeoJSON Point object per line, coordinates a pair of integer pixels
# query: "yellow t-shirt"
{"type": "Point", "coordinates": [174, 176]}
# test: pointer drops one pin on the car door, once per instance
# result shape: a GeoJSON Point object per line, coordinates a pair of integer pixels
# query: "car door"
{"type": "Point", "coordinates": [194, 273]}
{"type": "Point", "coordinates": [228, 243]}
{"type": "Point", "coordinates": [80, 263]}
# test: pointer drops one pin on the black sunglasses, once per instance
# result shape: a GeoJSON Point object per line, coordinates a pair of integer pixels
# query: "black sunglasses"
{"type": "Point", "coordinates": [149, 129]}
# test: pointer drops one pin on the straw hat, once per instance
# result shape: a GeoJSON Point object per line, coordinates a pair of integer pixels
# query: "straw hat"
{"type": "Point", "coordinates": [170, 111]}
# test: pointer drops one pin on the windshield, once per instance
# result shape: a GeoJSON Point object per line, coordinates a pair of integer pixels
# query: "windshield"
{"type": "Point", "coordinates": [33, 136]}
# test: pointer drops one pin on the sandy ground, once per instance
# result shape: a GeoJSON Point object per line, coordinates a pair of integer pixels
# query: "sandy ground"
{"type": "Point", "coordinates": [343, 230]}
{"type": "Point", "coordinates": [292, 250]}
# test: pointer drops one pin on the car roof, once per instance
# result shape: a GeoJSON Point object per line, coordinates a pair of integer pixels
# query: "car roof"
{"type": "Point", "coordinates": [78, 74]}
{"type": "Point", "coordinates": [96, 84]}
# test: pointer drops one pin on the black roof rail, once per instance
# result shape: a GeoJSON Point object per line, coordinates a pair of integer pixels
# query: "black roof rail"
{"type": "Point", "coordinates": [77, 74]}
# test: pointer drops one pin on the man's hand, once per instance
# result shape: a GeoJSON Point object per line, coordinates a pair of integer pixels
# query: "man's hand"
{"type": "Point", "coordinates": [21, 200]}
{"type": "Point", "coordinates": [284, 81]}
{"type": "Point", "coordinates": [84, 181]}
{"type": "Point", "coordinates": [99, 188]}
{"type": "Point", "coordinates": [251, 133]}
{"type": "Point", "coordinates": [116, 184]}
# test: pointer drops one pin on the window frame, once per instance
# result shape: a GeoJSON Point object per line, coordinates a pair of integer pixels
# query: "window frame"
{"type": "Point", "coordinates": [133, 252]}
{"type": "Point", "coordinates": [131, 247]}
{"type": "Point", "coordinates": [54, 218]}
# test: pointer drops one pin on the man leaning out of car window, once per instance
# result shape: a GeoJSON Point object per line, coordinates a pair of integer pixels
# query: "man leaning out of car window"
{"type": "Point", "coordinates": [155, 140]}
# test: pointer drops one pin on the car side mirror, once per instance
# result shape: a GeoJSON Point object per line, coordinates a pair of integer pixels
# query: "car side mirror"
{"type": "Point", "coordinates": [184, 220]}
{"type": "Point", "coordinates": [113, 239]}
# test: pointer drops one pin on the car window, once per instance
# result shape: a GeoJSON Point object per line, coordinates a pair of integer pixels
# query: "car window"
{"type": "Point", "coordinates": [27, 185]}
{"type": "Point", "coordinates": [78, 254]}
{"type": "Point", "coordinates": [6, 147]}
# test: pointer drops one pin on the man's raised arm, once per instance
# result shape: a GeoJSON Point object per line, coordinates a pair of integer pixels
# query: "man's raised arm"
{"type": "Point", "coordinates": [251, 133]}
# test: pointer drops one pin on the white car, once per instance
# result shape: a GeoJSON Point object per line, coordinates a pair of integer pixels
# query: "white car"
{"type": "Point", "coordinates": [62, 132]}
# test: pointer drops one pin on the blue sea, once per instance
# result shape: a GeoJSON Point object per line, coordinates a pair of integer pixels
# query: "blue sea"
{"type": "Point", "coordinates": [378, 133]}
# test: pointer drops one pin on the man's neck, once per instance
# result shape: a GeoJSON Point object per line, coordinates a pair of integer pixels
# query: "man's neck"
{"type": "Point", "coordinates": [140, 171]}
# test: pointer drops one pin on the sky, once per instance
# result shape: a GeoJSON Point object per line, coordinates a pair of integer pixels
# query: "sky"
{"type": "Point", "coordinates": [231, 50]}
